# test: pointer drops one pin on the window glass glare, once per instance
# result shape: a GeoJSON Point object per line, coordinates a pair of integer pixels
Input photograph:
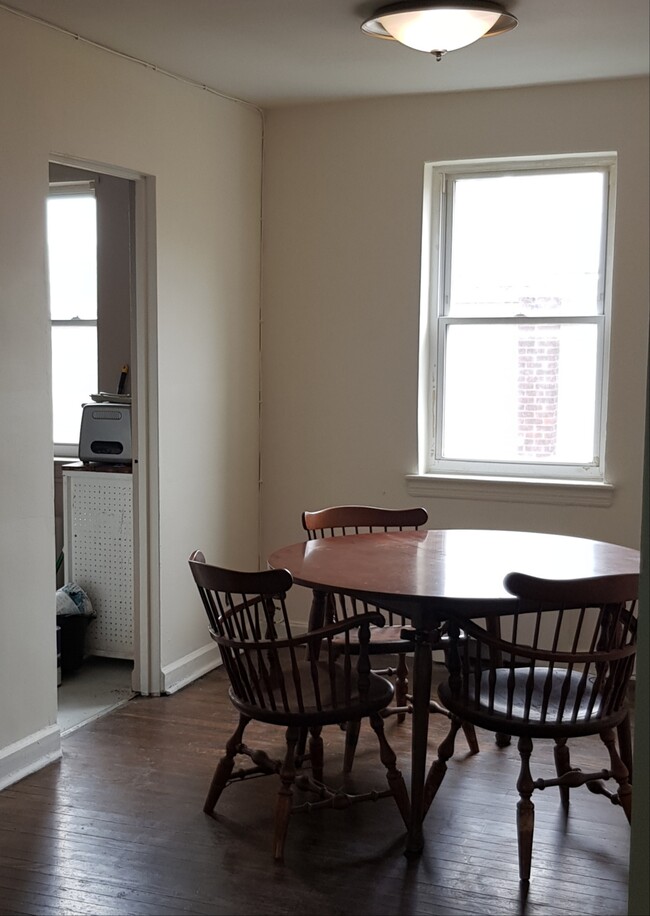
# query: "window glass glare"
{"type": "Point", "coordinates": [74, 377]}
{"type": "Point", "coordinates": [72, 252]}
{"type": "Point", "coordinates": [528, 396]}
{"type": "Point", "coordinates": [527, 244]}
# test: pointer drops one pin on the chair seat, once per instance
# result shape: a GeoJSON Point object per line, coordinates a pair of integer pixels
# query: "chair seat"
{"type": "Point", "coordinates": [556, 710]}
{"type": "Point", "coordinates": [383, 641]}
{"type": "Point", "coordinates": [332, 705]}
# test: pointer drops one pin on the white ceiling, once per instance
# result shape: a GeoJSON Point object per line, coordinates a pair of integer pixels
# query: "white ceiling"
{"type": "Point", "coordinates": [275, 52]}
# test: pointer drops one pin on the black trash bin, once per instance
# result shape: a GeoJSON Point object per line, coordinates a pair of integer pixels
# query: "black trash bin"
{"type": "Point", "coordinates": [74, 611]}
{"type": "Point", "coordinates": [73, 641]}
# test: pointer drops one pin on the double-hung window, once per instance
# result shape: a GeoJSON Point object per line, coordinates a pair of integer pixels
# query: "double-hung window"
{"type": "Point", "coordinates": [72, 258]}
{"type": "Point", "coordinates": [515, 317]}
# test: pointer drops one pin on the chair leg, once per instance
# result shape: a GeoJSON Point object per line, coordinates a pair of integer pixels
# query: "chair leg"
{"type": "Point", "coordinates": [439, 766]}
{"type": "Point", "coordinates": [393, 775]}
{"type": "Point", "coordinates": [525, 809]}
{"type": "Point", "coordinates": [625, 744]}
{"type": "Point", "coordinates": [468, 729]}
{"type": "Point", "coordinates": [316, 752]}
{"type": "Point", "coordinates": [301, 747]}
{"type": "Point", "coordinates": [470, 736]}
{"type": "Point", "coordinates": [351, 738]}
{"type": "Point", "coordinates": [225, 766]}
{"type": "Point", "coordinates": [285, 795]}
{"type": "Point", "coordinates": [401, 685]}
{"type": "Point", "coordinates": [562, 766]}
{"type": "Point", "coordinates": [619, 772]}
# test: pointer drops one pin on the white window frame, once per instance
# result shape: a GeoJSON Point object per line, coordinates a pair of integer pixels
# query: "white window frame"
{"type": "Point", "coordinates": [436, 256]}
{"type": "Point", "coordinates": [71, 189]}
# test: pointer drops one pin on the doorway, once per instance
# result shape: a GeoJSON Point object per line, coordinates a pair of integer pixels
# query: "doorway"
{"type": "Point", "coordinates": [114, 665]}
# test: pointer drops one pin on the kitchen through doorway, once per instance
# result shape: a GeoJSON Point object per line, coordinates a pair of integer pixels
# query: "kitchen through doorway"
{"type": "Point", "coordinates": [91, 257]}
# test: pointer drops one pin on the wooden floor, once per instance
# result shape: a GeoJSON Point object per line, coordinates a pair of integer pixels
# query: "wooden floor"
{"type": "Point", "coordinates": [116, 827]}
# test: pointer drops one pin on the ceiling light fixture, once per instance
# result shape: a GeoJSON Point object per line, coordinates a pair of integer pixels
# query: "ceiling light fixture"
{"type": "Point", "coordinates": [439, 27]}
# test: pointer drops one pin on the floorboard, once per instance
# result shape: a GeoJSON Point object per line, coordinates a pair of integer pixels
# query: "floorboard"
{"type": "Point", "coordinates": [99, 685]}
{"type": "Point", "coordinates": [116, 827]}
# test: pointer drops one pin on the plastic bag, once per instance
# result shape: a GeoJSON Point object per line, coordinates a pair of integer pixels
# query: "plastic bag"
{"type": "Point", "coordinates": [72, 600]}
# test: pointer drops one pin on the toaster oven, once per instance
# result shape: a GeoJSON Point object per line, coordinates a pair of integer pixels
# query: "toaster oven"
{"type": "Point", "coordinates": [105, 434]}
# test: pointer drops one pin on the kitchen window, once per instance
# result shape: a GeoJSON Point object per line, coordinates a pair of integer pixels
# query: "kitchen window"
{"type": "Point", "coordinates": [72, 260]}
{"type": "Point", "coordinates": [515, 318]}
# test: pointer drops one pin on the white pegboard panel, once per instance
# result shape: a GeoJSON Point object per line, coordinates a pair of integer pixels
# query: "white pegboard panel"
{"type": "Point", "coordinates": [98, 552]}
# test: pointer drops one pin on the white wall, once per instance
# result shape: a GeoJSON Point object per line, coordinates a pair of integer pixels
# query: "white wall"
{"type": "Point", "coordinates": [342, 226]}
{"type": "Point", "coordinates": [61, 97]}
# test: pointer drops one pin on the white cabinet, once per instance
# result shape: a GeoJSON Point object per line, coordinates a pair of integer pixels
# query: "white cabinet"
{"type": "Point", "coordinates": [98, 553]}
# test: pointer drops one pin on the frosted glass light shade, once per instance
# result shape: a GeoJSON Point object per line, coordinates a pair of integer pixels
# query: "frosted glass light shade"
{"type": "Point", "coordinates": [438, 27]}
{"type": "Point", "coordinates": [441, 29]}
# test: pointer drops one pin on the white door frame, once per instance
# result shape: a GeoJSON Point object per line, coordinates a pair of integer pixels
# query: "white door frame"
{"type": "Point", "coordinates": [147, 674]}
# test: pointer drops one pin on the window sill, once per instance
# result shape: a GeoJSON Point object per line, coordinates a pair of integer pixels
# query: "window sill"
{"type": "Point", "coordinates": [512, 489]}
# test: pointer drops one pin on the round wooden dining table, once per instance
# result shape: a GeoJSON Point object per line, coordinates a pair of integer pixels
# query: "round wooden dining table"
{"type": "Point", "coordinates": [426, 576]}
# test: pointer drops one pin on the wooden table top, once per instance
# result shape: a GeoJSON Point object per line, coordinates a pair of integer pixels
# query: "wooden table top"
{"type": "Point", "coordinates": [448, 569]}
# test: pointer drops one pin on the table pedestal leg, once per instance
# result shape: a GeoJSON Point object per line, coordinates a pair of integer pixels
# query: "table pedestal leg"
{"type": "Point", "coordinates": [419, 734]}
{"type": "Point", "coordinates": [318, 610]}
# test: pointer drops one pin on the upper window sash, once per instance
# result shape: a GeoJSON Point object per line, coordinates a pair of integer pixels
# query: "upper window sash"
{"type": "Point", "coordinates": [448, 182]}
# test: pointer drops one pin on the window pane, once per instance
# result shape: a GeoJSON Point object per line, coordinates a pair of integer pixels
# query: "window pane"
{"type": "Point", "coordinates": [72, 251]}
{"type": "Point", "coordinates": [74, 377]}
{"type": "Point", "coordinates": [520, 393]}
{"type": "Point", "coordinates": [527, 244]}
